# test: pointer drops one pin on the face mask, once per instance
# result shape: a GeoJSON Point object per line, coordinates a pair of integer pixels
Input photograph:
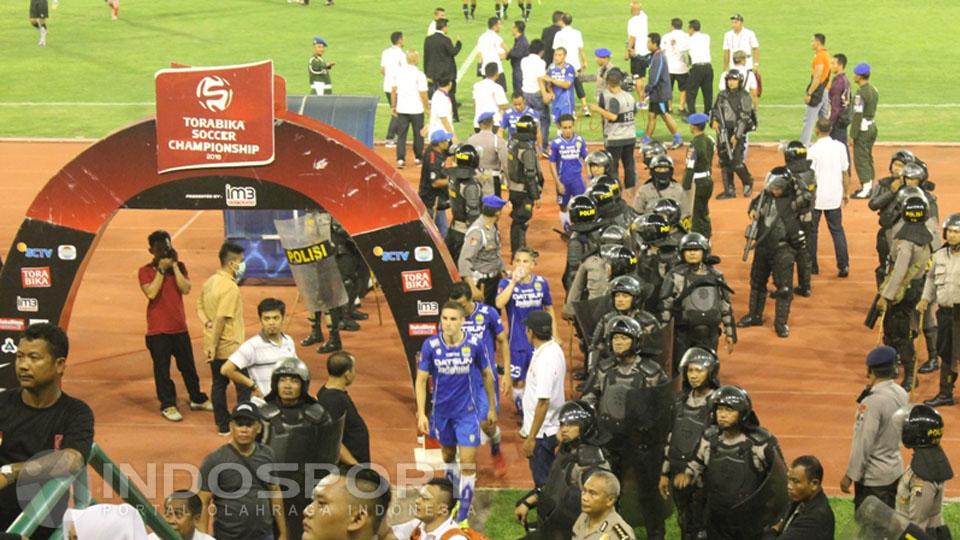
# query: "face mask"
{"type": "Point", "coordinates": [241, 269]}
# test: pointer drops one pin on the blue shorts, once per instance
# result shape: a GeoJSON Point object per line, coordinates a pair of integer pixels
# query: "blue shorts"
{"type": "Point", "coordinates": [571, 189]}
{"type": "Point", "coordinates": [519, 363]}
{"type": "Point", "coordinates": [459, 431]}
{"type": "Point", "coordinates": [481, 399]}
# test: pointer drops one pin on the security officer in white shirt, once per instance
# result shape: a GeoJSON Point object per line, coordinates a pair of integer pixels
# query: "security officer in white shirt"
{"type": "Point", "coordinates": [700, 78]}
{"type": "Point", "coordinates": [492, 50]}
{"type": "Point", "coordinates": [740, 39]}
{"type": "Point", "coordinates": [637, 54]}
{"type": "Point", "coordinates": [391, 60]}
{"type": "Point", "coordinates": [571, 40]}
{"type": "Point", "coordinates": [676, 46]}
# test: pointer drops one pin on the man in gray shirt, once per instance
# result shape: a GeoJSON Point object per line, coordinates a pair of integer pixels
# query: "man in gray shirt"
{"type": "Point", "coordinates": [875, 462]}
{"type": "Point", "coordinates": [618, 108]}
{"type": "Point", "coordinates": [493, 156]}
{"type": "Point", "coordinates": [480, 263]}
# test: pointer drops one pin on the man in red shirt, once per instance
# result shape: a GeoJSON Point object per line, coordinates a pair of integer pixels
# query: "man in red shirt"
{"type": "Point", "coordinates": [164, 281]}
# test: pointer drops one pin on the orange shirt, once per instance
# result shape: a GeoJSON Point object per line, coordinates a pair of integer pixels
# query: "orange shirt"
{"type": "Point", "coordinates": [821, 58]}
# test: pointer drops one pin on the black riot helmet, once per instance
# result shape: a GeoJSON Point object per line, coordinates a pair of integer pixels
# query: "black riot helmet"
{"type": "Point", "coordinates": [627, 326]}
{"type": "Point", "coordinates": [952, 222]}
{"type": "Point", "coordinates": [583, 213]}
{"type": "Point", "coordinates": [694, 241]}
{"type": "Point", "coordinates": [670, 210]}
{"type": "Point", "coordinates": [603, 192]}
{"type": "Point", "coordinates": [651, 149]}
{"type": "Point", "coordinates": [600, 158]}
{"type": "Point", "coordinates": [661, 168]}
{"type": "Point", "coordinates": [737, 399]}
{"type": "Point", "coordinates": [922, 426]}
{"type": "Point", "coordinates": [613, 235]}
{"type": "Point", "coordinates": [904, 156]}
{"type": "Point", "coordinates": [704, 358]}
{"type": "Point", "coordinates": [626, 284]}
{"type": "Point", "coordinates": [651, 228]}
{"type": "Point", "coordinates": [526, 128]}
{"type": "Point", "coordinates": [293, 367]}
{"type": "Point", "coordinates": [579, 413]}
{"type": "Point", "coordinates": [916, 171]}
{"type": "Point", "coordinates": [467, 156]}
{"type": "Point", "coordinates": [794, 151]}
{"type": "Point", "coordinates": [914, 209]}
{"type": "Point", "coordinates": [622, 260]}
{"type": "Point", "coordinates": [907, 192]}
{"type": "Point", "coordinates": [733, 74]}
{"type": "Point", "coordinates": [778, 177]}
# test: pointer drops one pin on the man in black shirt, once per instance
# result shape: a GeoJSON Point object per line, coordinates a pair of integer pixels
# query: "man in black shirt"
{"type": "Point", "coordinates": [334, 398]}
{"type": "Point", "coordinates": [43, 432]}
{"type": "Point", "coordinates": [548, 34]}
{"type": "Point", "coordinates": [433, 179]}
{"type": "Point", "coordinates": [236, 478]}
{"type": "Point", "coordinates": [439, 63]}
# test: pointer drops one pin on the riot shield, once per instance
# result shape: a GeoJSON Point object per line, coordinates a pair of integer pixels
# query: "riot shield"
{"type": "Point", "coordinates": [770, 500]}
{"type": "Point", "coordinates": [312, 259]}
{"type": "Point", "coordinates": [874, 520]}
{"type": "Point", "coordinates": [589, 312]}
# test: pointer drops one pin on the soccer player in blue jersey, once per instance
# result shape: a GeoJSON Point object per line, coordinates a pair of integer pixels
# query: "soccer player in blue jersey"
{"type": "Point", "coordinates": [522, 293]}
{"type": "Point", "coordinates": [518, 109]}
{"type": "Point", "coordinates": [567, 154]}
{"type": "Point", "coordinates": [483, 322]}
{"type": "Point", "coordinates": [452, 359]}
{"type": "Point", "coordinates": [559, 81]}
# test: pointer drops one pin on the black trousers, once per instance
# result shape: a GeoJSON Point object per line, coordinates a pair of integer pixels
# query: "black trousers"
{"type": "Point", "coordinates": [898, 327]}
{"type": "Point", "coordinates": [948, 375]}
{"type": "Point", "coordinates": [691, 504]}
{"type": "Point", "coordinates": [392, 127]}
{"type": "Point", "coordinates": [624, 155]}
{"type": "Point", "coordinates": [777, 262]}
{"type": "Point", "coordinates": [700, 80]}
{"type": "Point", "coordinates": [403, 124]}
{"type": "Point", "coordinates": [887, 494]}
{"type": "Point", "coordinates": [162, 347]}
{"type": "Point", "coordinates": [521, 204]}
{"type": "Point", "coordinates": [489, 288]}
{"type": "Point", "coordinates": [221, 413]}
{"type": "Point", "coordinates": [638, 469]}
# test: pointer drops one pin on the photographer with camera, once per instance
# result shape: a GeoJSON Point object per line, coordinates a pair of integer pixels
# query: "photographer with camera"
{"type": "Point", "coordinates": [164, 281]}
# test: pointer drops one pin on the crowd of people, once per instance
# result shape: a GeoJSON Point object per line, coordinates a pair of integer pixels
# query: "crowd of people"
{"type": "Point", "coordinates": [653, 426]}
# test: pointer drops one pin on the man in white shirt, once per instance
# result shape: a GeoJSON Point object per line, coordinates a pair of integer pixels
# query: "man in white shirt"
{"type": "Point", "coordinates": [637, 54]}
{"type": "Point", "coordinates": [542, 396]}
{"type": "Point", "coordinates": [492, 50]}
{"type": "Point", "coordinates": [441, 109]}
{"type": "Point", "coordinates": [438, 14]}
{"type": "Point", "coordinates": [739, 38]}
{"type": "Point", "coordinates": [676, 45]}
{"type": "Point", "coordinates": [251, 365]}
{"type": "Point", "coordinates": [571, 39]}
{"type": "Point", "coordinates": [489, 96]}
{"type": "Point", "coordinates": [181, 510]}
{"type": "Point", "coordinates": [408, 99]}
{"type": "Point", "coordinates": [831, 165]}
{"type": "Point", "coordinates": [700, 77]}
{"type": "Point", "coordinates": [432, 512]}
{"type": "Point", "coordinates": [533, 68]}
{"type": "Point", "coordinates": [392, 59]}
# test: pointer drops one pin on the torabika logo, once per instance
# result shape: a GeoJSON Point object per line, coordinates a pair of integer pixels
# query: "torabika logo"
{"type": "Point", "coordinates": [214, 93]}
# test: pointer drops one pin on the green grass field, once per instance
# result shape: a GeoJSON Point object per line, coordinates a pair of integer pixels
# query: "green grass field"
{"type": "Point", "coordinates": [96, 75]}
{"type": "Point", "coordinates": [501, 524]}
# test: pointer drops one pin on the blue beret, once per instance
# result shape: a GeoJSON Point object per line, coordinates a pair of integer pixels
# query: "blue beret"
{"type": "Point", "coordinates": [493, 201]}
{"type": "Point", "coordinates": [485, 116]}
{"type": "Point", "coordinates": [862, 69]}
{"type": "Point", "coordinates": [319, 41]}
{"type": "Point", "coordinates": [603, 52]}
{"type": "Point", "coordinates": [698, 118]}
{"type": "Point", "coordinates": [882, 357]}
{"type": "Point", "coordinates": [440, 136]}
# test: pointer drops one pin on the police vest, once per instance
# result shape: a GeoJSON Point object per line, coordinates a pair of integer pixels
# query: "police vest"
{"type": "Point", "coordinates": [731, 477]}
{"type": "Point", "coordinates": [628, 403]}
{"type": "Point", "coordinates": [624, 126]}
{"type": "Point", "coordinates": [302, 435]}
{"type": "Point", "coordinates": [700, 302]}
{"type": "Point", "coordinates": [689, 423]}
{"type": "Point", "coordinates": [465, 197]}
{"type": "Point", "coordinates": [558, 504]}
{"type": "Point", "coordinates": [523, 166]}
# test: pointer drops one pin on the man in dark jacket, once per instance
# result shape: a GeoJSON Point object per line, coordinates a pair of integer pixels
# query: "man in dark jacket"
{"type": "Point", "coordinates": [520, 50]}
{"type": "Point", "coordinates": [809, 516]}
{"type": "Point", "coordinates": [439, 64]}
{"type": "Point", "coordinates": [548, 34]}
{"type": "Point", "coordinates": [659, 93]}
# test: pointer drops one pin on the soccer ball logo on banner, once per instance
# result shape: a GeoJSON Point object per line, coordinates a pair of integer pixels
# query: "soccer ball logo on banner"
{"type": "Point", "coordinates": [214, 93]}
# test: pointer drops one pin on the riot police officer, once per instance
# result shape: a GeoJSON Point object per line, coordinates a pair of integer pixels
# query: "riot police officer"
{"type": "Point", "coordinates": [650, 150]}
{"type": "Point", "coordinates": [700, 370]}
{"type": "Point", "coordinates": [611, 208]}
{"type": "Point", "coordinates": [654, 257]}
{"type": "Point", "coordinates": [627, 297]}
{"type": "Point", "coordinates": [633, 396]}
{"type": "Point", "coordinates": [300, 432]}
{"type": "Point", "coordinates": [733, 117]}
{"type": "Point", "coordinates": [465, 195]}
{"type": "Point", "coordinates": [778, 237]}
{"type": "Point", "coordinates": [903, 285]}
{"type": "Point", "coordinates": [598, 164]}
{"type": "Point", "coordinates": [661, 185]}
{"type": "Point", "coordinates": [480, 263]}
{"type": "Point", "coordinates": [558, 500]}
{"type": "Point", "coordinates": [697, 298]}
{"type": "Point", "coordinates": [882, 200]}
{"type": "Point", "coordinates": [585, 236]}
{"type": "Point", "coordinates": [355, 275]}
{"type": "Point", "coordinates": [921, 489]}
{"type": "Point", "coordinates": [804, 192]}
{"type": "Point", "coordinates": [742, 468]}
{"type": "Point", "coordinates": [670, 210]}
{"type": "Point", "coordinates": [524, 179]}
{"type": "Point", "coordinates": [942, 290]}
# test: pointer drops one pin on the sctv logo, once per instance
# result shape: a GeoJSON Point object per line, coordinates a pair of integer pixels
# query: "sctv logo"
{"type": "Point", "coordinates": [214, 93]}
{"type": "Point", "coordinates": [34, 253]}
{"type": "Point", "coordinates": [242, 196]}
